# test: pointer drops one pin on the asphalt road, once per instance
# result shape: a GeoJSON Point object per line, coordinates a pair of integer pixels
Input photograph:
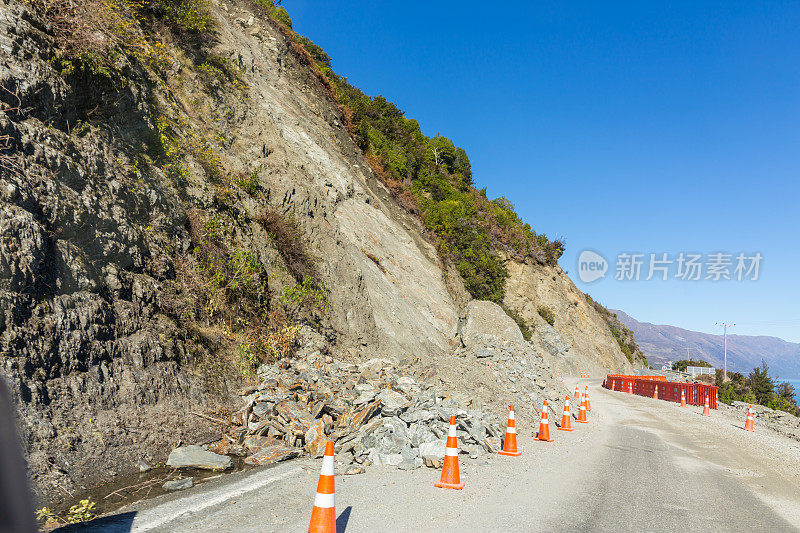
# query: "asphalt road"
{"type": "Point", "coordinates": [639, 465]}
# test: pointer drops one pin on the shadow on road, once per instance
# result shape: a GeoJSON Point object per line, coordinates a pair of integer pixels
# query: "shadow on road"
{"type": "Point", "coordinates": [118, 523]}
{"type": "Point", "coordinates": [344, 518]}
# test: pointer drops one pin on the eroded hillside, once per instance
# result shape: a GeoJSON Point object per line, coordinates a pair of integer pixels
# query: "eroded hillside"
{"type": "Point", "coordinates": [181, 197]}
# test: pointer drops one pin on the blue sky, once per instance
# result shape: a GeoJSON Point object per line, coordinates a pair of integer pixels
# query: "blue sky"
{"type": "Point", "coordinates": [642, 127]}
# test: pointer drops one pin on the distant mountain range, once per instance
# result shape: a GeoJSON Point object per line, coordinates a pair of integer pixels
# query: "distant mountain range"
{"type": "Point", "coordinates": [668, 343]}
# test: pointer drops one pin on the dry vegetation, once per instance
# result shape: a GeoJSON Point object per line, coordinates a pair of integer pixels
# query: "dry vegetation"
{"type": "Point", "coordinates": [7, 159]}
{"type": "Point", "coordinates": [290, 242]}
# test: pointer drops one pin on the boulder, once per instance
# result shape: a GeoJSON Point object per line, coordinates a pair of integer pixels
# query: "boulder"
{"type": "Point", "coordinates": [196, 457]}
{"type": "Point", "coordinates": [315, 439]}
{"type": "Point", "coordinates": [391, 443]}
{"type": "Point", "coordinates": [487, 323]}
{"type": "Point", "coordinates": [273, 453]}
{"type": "Point", "coordinates": [409, 453]}
{"type": "Point", "coordinates": [299, 419]}
{"type": "Point", "coordinates": [397, 426]}
{"type": "Point", "coordinates": [418, 434]}
{"type": "Point", "coordinates": [432, 450]}
{"type": "Point", "coordinates": [262, 409]}
{"type": "Point", "coordinates": [392, 403]}
{"type": "Point", "coordinates": [419, 415]}
{"type": "Point", "coordinates": [254, 443]}
{"type": "Point", "coordinates": [353, 419]}
{"type": "Point", "coordinates": [179, 484]}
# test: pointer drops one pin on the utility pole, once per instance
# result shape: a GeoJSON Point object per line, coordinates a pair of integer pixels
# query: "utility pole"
{"type": "Point", "coordinates": [725, 348]}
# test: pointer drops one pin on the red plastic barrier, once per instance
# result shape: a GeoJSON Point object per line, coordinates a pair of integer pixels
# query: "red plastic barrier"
{"type": "Point", "coordinates": [667, 390]}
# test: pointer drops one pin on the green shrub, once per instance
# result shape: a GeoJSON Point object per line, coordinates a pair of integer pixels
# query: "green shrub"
{"type": "Point", "coordinates": [684, 363]}
{"type": "Point", "coordinates": [547, 314]}
{"type": "Point", "coordinates": [317, 53]}
{"type": "Point", "coordinates": [81, 512]}
{"type": "Point", "coordinates": [306, 295]}
{"type": "Point", "coordinates": [215, 227]}
{"type": "Point", "coordinates": [191, 16]}
{"type": "Point", "coordinates": [278, 13]}
{"type": "Point", "coordinates": [249, 182]}
{"type": "Point", "coordinates": [756, 388]}
{"type": "Point", "coordinates": [281, 15]}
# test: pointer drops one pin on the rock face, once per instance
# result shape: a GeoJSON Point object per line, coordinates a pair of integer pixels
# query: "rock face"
{"type": "Point", "coordinates": [96, 367]}
{"type": "Point", "coordinates": [579, 338]}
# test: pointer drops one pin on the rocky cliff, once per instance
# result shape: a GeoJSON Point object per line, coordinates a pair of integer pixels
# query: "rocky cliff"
{"type": "Point", "coordinates": [579, 338]}
{"type": "Point", "coordinates": [139, 265]}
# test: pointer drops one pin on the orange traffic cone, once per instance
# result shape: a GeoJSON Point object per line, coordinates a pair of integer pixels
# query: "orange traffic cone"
{"type": "Point", "coordinates": [748, 425]}
{"type": "Point", "coordinates": [544, 425]}
{"type": "Point", "coordinates": [566, 418]}
{"type": "Point", "coordinates": [450, 479]}
{"type": "Point", "coordinates": [655, 393]}
{"type": "Point", "coordinates": [510, 442]}
{"type": "Point", "coordinates": [706, 410]}
{"type": "Point", "coordinates": [630, 388]}
{"type": "Point", "coordinates": [323, 516]}
{"type": "Point", "coordinates": [582, 412]}
{"type": "Point", "coordinates": [577, 393]}
{"type": "Point", "coordinates": [613, 384]}
{"type": "Point", "coordinates": [588, 403]}
{"type": "Point", "coordinates": [683, 398]}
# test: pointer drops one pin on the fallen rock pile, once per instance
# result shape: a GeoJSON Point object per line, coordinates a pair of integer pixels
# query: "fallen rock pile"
{"type": "Point", "coordinates": [373, 414]}
{"type": "Point", "coordinates": [378, 412]}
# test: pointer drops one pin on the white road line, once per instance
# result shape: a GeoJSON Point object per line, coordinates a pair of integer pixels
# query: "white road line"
{"type": "Point", "coordinates": [167, 512]}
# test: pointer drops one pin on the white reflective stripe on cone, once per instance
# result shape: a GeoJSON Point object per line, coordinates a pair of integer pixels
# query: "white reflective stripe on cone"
{"type": "Point", "coordinates": [452, 431]}
{"type": "Point", "coordinates": [324, 500]}
{"type": "Point", "coordinates": [511, 430]}
{"type": "Point", "coordinates": [327, 466]}
{"type": "Point", "coordinates": [452, 452]}
{"type": "Point", "coordinates": [511, 415]}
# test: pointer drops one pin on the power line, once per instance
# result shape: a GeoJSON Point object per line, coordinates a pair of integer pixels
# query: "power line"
{"type": "Point", "coordinates": [770, 322]}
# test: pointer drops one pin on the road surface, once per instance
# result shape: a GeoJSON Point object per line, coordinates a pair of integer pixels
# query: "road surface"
{"type": "Point", "coordinates": [639, 465]}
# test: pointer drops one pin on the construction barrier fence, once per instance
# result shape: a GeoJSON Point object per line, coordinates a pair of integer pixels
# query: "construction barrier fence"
{"type": "Point", "coordinates": [667, 390]}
